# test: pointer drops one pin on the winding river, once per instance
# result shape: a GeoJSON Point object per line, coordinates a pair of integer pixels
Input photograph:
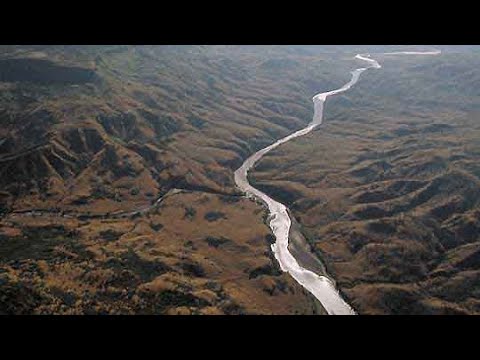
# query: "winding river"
{"type": "Point", "coordinates": [320, 286]}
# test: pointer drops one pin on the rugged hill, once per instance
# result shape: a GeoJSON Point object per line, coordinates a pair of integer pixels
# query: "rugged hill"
{"type": "Point", "coordinates": [143, 118]}
{"type": "Point", "coordinates": [117, 192]}
{"type": "Point", "coordinates": [92, 137]}
{"type": "Point", "coordinates": [388, 187]}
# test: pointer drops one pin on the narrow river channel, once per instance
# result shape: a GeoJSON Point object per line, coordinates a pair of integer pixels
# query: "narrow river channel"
{"type": "Point", "coordinates": [280, 223]}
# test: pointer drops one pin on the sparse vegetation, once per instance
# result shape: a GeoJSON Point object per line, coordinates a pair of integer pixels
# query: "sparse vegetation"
{"type": "Point", "coordinates": [387, 188]}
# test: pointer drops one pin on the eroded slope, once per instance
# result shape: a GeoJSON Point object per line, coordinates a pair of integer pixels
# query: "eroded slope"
{"type": "Point", "coordinates": [388, 188]}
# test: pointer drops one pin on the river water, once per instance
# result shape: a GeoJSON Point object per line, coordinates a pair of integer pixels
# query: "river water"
{"type": "Point", "coordinates": [320, 286]}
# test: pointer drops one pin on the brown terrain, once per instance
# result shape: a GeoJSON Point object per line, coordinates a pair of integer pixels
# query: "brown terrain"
{"type": "Point", "coordinates": [117, 192]}
{"type": "Point", "coordinates": [388, 188]}
{"type": "Point", "coordinates": [92, 138]}
{"type": "Point", "coordinates": [179, 258]}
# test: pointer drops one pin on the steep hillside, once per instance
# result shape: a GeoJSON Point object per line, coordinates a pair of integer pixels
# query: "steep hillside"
{"type": "Point", "coordinates": [143, 118]}
{"type": "Point", "coordinates": [388, 187]}
{"type": "Point", "coordinates": [117, 193]}
{"type": "Point", "coordinates": [93, 142]}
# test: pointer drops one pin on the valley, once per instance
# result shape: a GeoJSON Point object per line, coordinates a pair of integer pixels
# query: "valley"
{"type": "Point", "coordinates": [118, 193]}
{"type": "Point", "coordinates": [386, 188]}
